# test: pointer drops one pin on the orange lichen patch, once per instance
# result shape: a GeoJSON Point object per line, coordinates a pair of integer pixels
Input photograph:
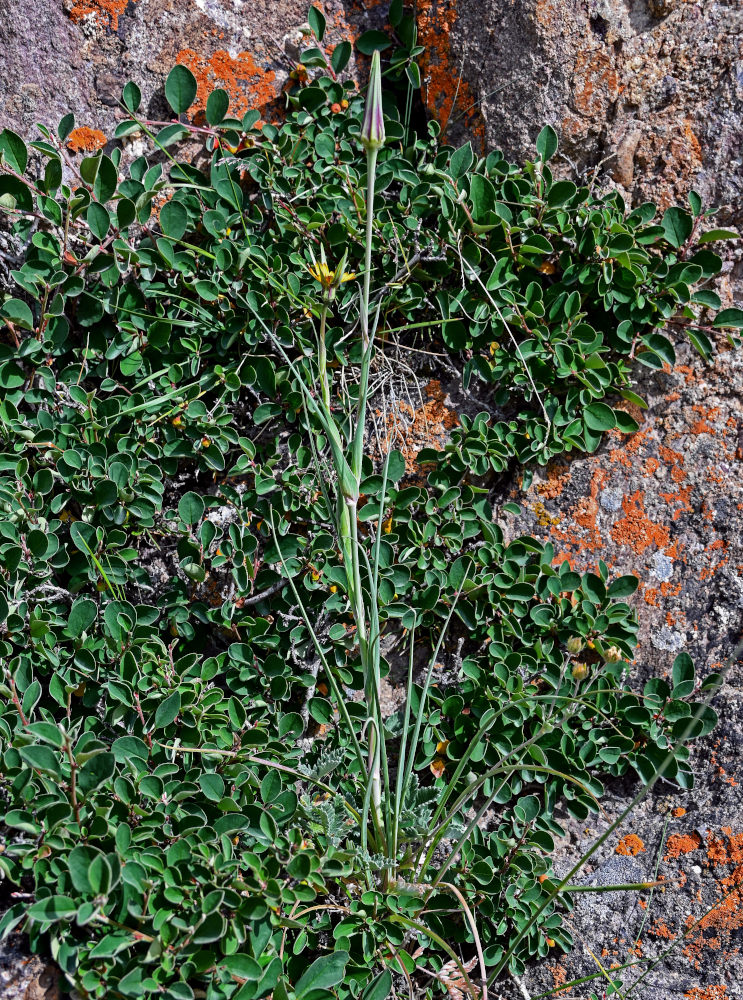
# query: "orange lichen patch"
{"type": "Point", "coordinates": [559, 978]}
{"type": "Point", "coordinates": [730, 853]}
{"type": "Point", "coordinates": [661, 930]}
{"type": "Point", "coordinates": [715, 928]}
{"type": "Point", "coordinates": [678, 812]}
{"type": "Point", "coordinates": [715, 475]}
{"type": "Point", "coordinates": [706, 993]}
{"type": "Point", "coordinates": [675, 461]}
{"type": "Point", "coordinates": [86, 140]}
{"type": "Point", "coordinates": [681, 498]}
{"type": "Point", "coordinates": [411, 429]}
{"type": "Point", "coordinates": [682, 843]}
{"type": "Point", "coordinates": [709, 571]}
{"type": "Point", "coordinates": [584, 514]}
{"type": "Point", "coordinates": [636, 529]}
{"type": "Point", "coordinates": [623, 455]}
{"type": "Point", "coordinates": [701, 426]}
{"type": "Point", "coordinates": [651, 466]}
{"type": "Point", "coordinates": [558, 476]}
{"type": "Point", "coordinates": [687, 371]}
{"type": "Point", "coordinates": [596, 81]}
{"type": "Point", "coordinates": [630, 845]}
{"type": "Point", "coordinates": [587, 508]}
{"type": "Point", "coordinates": [247, 83]}
{"type": "Point", "coordinates": [106, 12]}
{"type": "Point", "coordinates": [445, 93]}
{"type": "Point", "coordinates": [650, 596]}
{"type": "Point", "coordinates": [716, 850]}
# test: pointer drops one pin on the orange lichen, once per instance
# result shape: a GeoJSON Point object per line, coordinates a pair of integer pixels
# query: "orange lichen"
{"type": "Point", "coordinates": [682, 843]}
{"type": "Point", "coordinates": [558, 476]}
{"type": "Point", "coordinates": [594, 70]}
{"type": "Point", "coordinates": [717, 927]}
{"type": "Point", "coordinates": [701, 426]}
{"type": "Point", "coordinates": [411, 429]}
{"type": "Point", "coordinates": [559, 978]}
{"type": "Point", "coordinates": [651, 466]}
{"type": "Point", "coordinates": [706, 993]}
{"type": "Point", "coordinates": [105, 12]}
{"type": "Point", "coordinates": [636, 529]}
{"type": "Point", "coordinates": [681, 498]}
{"type": "Point", "coordinates": [678, 812]}
{"type": "Point", "coordinates": [247, 83]}
{"type": "Point", "coordinates": [652, 595]}
{"type": "Point", "coordinates": [726, 853]}
{"type": "Point", "coordinates": [445, 93]}
{"type": "Point", "coordinates": [719, 544]}
{"type": "Point", "coordinates": [623, 455]}
{"type": "Point", "coordinates": [661, 930]}
{"type": "Point", "coordinates": [86, 140]}
{"type": "Point", "coordinates": [630, 845]}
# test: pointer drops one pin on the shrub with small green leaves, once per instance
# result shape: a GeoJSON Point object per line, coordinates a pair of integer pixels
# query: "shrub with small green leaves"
{"type": "Point", "coordinates": [185, 793]}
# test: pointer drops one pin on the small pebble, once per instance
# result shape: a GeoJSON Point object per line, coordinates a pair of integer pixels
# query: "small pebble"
{"type": "Point", "coordinates": [696, 869]}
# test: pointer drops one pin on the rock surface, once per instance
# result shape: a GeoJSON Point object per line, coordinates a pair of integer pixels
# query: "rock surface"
{"type": "Point", "coordinates": [650, 89]}
{"type": "Point", "coordinates": [24, 977]}
{"type": "Point", "coordinates": [665, 504]}
{"type": "Point", "coordinates": [650, 92]}
{"type": "Point", "coordinates": [76, 55]}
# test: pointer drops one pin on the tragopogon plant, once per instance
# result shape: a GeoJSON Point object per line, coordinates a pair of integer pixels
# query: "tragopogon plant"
{"type": "Point", "coordinates": [219, 550]}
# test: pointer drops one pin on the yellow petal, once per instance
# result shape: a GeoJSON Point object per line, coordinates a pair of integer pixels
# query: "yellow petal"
{"type": "Point", "coordinates": [438, 766]}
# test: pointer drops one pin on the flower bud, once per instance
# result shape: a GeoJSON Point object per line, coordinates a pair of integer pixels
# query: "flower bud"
{"type": "Point", "coordinates": [372, 131]}
{"type": "Point", "coordinates": [574, 644]}
{"type": "Point", "coordinates": [613, 654]}
{"type": "Point", "coordinates": [580, 671]}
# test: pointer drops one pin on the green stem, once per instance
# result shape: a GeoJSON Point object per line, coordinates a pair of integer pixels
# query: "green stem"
{"type": "Point", "coordinates": [371, 170]}
{"type": "Point", "coordinates": [370, 664]}
{"type": "Point", "coordinates": [322, 359]}
{"type": "Point", "coordinates": [366, 340]}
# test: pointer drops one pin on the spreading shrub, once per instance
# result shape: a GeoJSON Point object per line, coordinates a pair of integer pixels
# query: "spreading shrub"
{"type": "Point", "coordinates": [185, 658]}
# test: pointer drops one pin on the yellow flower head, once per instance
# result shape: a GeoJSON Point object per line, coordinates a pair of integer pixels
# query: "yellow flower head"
{"type": "Point", "coordinates": [329, 279]}
{"type": "Point", "coordinates": [322, 273]}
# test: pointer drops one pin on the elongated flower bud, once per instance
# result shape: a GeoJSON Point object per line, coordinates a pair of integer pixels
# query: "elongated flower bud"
{"type": "Point", "coordinates": [372, 131]}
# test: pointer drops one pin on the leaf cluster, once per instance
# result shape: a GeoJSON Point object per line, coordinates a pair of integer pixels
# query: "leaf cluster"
{"type": "Point", "coordinates": [180, 799]}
